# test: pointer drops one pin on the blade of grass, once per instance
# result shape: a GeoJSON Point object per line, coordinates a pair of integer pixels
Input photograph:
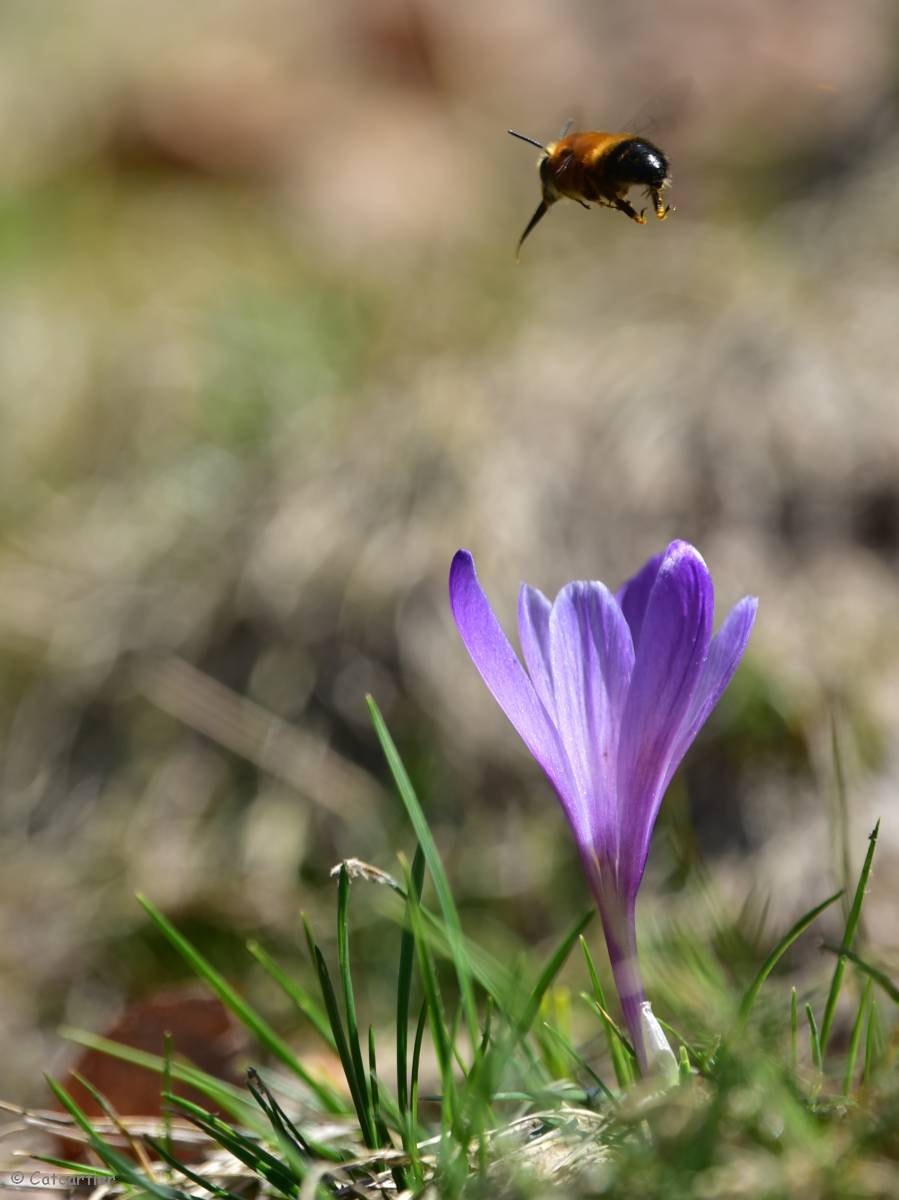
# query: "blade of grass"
{"type": "Point", "coordinates": [410, 1132]}
{"type": "Point", "coordinates": [122, 1165]}
{"type": "Point", "coordinates": [852, 921]}
{"type": "Point", "coordinates": [794, 1032]}
{"type": "Point", "coordinates": [404, 988]}
{"type": "Point", "coordinates": [840, 822]}
{"type": "Point", "coordinates": [167, 1052]}
{"type": "Point", "coordinates": [751, 994]}
{"type": "Point", "coordinates": [229, 1098]}
{"type": "Point", "coordinates": [278, 1119]}
{"type": "Point", "coordinates": [279, 1174]}
{"type": "Point", "coordinates": [880, 978]}
{"type": "Point", "coordinates": [308, 1146]}
{"type": "Point", "coordinates": [684, 1070]}
{"type": "Point", "coordinates": [872, 1042]}
{"type": "Point", "coordinates": [79, 1169]}
{"type": "Point", "coordinates": [360, 1099]}
{"type": "Point", "coordinates": [693, 1052]}
{"type": "Point", "coordinates": [260, 1028]}
{"type": "Point", "coordinates": [349, 1005]}
{"type": "Point", "coordinates": [110, 1113]}
{"type": "Point", "coordinates": [304, 1002]}
{"type": "Point", "coordinates": [620, 1064]}
{"type": "Point", "coordinates": [855, 1037]}
{"type": "Point", "coordinates": [290, 1142]}
{"type": "Point", "coordinates": [443, 1046]}
{"type": "Point", "coordinates": [606, 1016]}
{"type": "Point", "coordinates": [435, 867]}
{"type": "Point", "coordinates": [399, 1175]}
{"type": "Point", "coordinates": [580, 1062]}
{"type": "Point", "coordinates": [813, 1037]}
{"type": "Point", "coordinates": [550, 971]}
{"type": "Point", "coordinates": [165, 1153]}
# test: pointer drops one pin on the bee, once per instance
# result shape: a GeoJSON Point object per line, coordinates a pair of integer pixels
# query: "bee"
{"type": "Point", "coordinates": [602, 168]}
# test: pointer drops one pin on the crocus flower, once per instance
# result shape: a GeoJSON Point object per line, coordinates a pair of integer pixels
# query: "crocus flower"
{"type": "Point", "coordinates": [617, 687]}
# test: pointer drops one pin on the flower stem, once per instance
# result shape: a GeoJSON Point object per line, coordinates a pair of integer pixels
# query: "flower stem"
{"type": "Point", "coordinates": [619, 928]}
{"type": "Point", "coordinates": [618, 914]}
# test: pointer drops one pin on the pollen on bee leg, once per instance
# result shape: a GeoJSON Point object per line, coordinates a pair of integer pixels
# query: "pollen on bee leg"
{"type": "Point", "coordinates": [662, 209]}
{"type": "Point", "coordinates": [628, 209]}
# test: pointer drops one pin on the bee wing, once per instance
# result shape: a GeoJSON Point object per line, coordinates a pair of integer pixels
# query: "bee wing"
{"type": "Point", "coordinates": [664, 109]}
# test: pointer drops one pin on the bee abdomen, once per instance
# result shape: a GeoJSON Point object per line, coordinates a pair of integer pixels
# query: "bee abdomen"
{"type": "Point", "coordinates": [637, 161]}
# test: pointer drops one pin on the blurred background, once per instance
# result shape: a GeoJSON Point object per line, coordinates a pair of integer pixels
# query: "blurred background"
{"type": "Point", "coordinates": [267, 361]}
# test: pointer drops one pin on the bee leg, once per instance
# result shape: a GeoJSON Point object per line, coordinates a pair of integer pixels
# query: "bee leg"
{"type": "Point", "coordinates": [582, 203]}
{"type": "Point", "coordinates": [662, 209]}
{"type": "Point", "coordinates": [624, 206]}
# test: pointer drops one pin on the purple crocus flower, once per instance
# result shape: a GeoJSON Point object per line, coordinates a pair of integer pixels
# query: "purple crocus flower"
{"type": "Point", "coordinates": [616, 689]}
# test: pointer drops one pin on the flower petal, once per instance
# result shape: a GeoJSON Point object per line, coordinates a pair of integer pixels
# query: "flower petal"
{"type": "Point", "coordinates": [592, 657]}
{"type": "Point", "coordinates": [674, 641]}
{"type": "Point", "coordinates": [633, 596]}
{"type": "Point", "coordinates": [503, 673]}
{"type": "Point", "coordinates": [724, 657]}
{"type": "Point", "coordinates": [533, 633]}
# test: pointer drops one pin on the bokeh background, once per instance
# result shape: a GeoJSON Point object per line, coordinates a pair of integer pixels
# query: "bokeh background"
{"type": "Point", "coordinates": [267, 360]}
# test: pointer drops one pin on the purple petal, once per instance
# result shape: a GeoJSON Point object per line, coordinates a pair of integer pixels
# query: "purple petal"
{"type": "Point", "coordinates": [633, 596]}
{"type": "Point", "coordinates": [592, 657]}
{"type": "Point", "coordinates": [724, 657]}
{"type": "Point", "coordinates": [533, 633]}
{"type": "Point", "coordinates": [502, 672]}
{"type": "Point", "coordinates": [674, 642]}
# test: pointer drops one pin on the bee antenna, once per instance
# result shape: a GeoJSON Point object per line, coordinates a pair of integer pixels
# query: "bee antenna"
{"type": "Point", "coordinates": [524, 138]}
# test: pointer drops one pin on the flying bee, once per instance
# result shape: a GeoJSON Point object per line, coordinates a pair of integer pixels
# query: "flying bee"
{"type": "Point", "coordinates": [602, 168]}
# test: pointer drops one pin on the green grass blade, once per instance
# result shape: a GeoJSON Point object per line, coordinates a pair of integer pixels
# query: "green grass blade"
{"type": "Point", "coordinates": [814, 1038]}
{"type": "Point", "coordinates": [260, 1028]}
{"type": "Point", "coordinates": [124, 1168]}
{"type": "Point", "coordinates": [606, 1016]}
{"type": "Point", "coordinates": [443, 1046]}
{"type": "Point", "coordinates": [872, 1042]}
{"type": "Point", "coordinates": [366, 1117]}
{"type": "Point", "coordinates": [399, 1177]}
{"type": "Point", "coordinates": [360, 1099]}
{"type": "Point", "coordinates": [290, 1142]}
{"type": "Point", "coordinates": [794, 1032]}
{"type": "Point", "coordinates": [77, 1168]}
{"type": "Point", "coordinates": [410, 1129]}
{"type": "Point", "coordinates": [578, 1059]}
{"type": "Point", "coordinates": [684, 1070]}
{"type": "Point", "coordinates": [550, 971]}
{"type": "Point", "coordinates": [227, 1097]}
{"type": "Point", "coordinates": [279, 1174]}
{"type": "Point", "coordinates": [404, 988]}
{"type": "Point", "coordinates": [165, 1153]}
{"type": "Point", "coordinates": [284, 1128]}
{"type": "Point", "coordinates": [620, 1062]}
{"type": "Point", "coordinates": [840, 821]}
{"type": "Point", "coordinates": [880, 978]}
{"type": "Point", "coordinates": [852, 921]}
{"type": "Point", "coordinates": [435, 867]}
{"type": "Point", "coordinates": [855, 1037]}
{"type": "Point", "coordinates": [167, 1053]}
{"type": "Point", "coordinates": [751, 994]}
{"type": "Point", "coordinates": [304, 1002]}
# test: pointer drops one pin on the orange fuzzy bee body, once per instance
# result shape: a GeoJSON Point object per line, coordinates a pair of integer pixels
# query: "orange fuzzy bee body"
{"type": "Point", "coordinates": [600, 168]}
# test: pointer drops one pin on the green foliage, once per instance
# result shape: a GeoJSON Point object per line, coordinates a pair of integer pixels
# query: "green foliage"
{"type": "Point", "coordinates": [523, 1097]}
